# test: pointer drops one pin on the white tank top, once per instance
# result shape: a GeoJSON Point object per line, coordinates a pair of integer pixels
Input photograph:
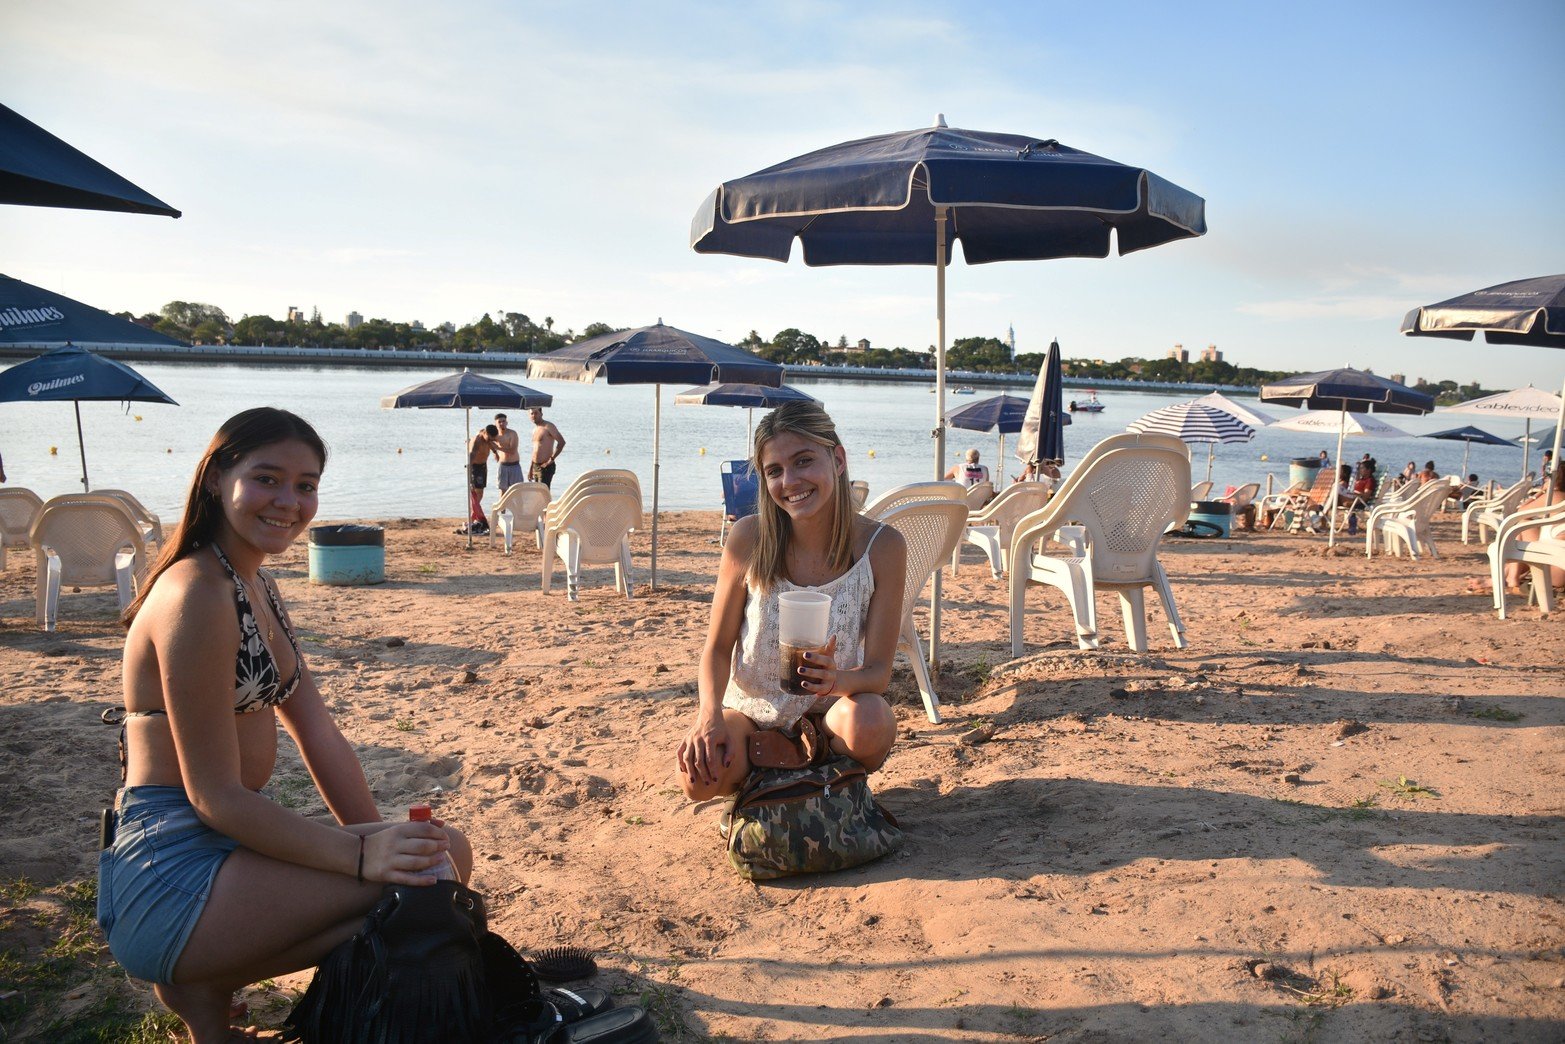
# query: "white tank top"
{"type": "Point", "coordinates": [754, 689]}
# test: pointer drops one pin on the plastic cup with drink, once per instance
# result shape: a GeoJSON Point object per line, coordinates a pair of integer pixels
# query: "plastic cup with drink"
{"type": "Point", "coordinates": [803, 623]}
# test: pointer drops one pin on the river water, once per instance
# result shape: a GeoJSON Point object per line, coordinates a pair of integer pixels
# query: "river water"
{"type": "Point", "coordinates": [409, 463]}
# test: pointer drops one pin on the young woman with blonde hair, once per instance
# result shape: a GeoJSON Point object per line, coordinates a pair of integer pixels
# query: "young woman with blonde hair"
{"type": "Point", "coordinates": [208, 885]}
{"type": "Point", "coordinates": [804, 535]}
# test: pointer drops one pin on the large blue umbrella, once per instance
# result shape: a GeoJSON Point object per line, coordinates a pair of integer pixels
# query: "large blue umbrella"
{"type": "Point", "coordinates": [74, 374]}
{"type": "Point", "coordinates": [750, 396]}
{"type": "Point", "coordinates": [1002, 413]}
{"type": "Point", "coordinates": [655, 355]}
{"type": "Point", "coordinates": [1343, 390]}
{"type": "Point", "coordinates": [1467, 434]}
{"type": "Point", "coordinates": [39, 170]}
{"type": "Point", "coordinates": [900, 199]}
{"type": "Point", "coordinates": [1526, 311]}
{"type": "Point", "coordinates": [466, 391]}
{"type": "Point", "coordinates": [33, 317]}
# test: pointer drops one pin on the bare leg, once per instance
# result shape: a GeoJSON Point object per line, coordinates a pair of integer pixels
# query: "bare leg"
{"type": "Point", "coordinates": [862, 727]}
{"type": "Point", "coordinates": [731, 778]}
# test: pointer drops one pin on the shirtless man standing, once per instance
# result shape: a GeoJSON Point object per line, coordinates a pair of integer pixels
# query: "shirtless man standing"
{"type": "Point", "coordinates": [477, 478]}
{"type": "Point", "coordinates": [509, 449]}
{"type": "Point", "coordinates": [547, 444]}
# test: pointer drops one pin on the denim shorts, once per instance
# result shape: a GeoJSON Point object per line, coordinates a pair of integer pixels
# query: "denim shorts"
{"type": "Point", "coordinates": [153, 882]}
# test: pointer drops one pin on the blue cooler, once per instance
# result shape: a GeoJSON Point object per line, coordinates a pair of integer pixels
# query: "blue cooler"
{"type": "Point", "coordinates": [1217, 513]}
{"type": "Point", "coordinates": [1303, 469]}
{"type": "Point", "coordinates": [347, 555]}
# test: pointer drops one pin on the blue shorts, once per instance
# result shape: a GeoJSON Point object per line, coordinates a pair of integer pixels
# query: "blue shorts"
{"type": "Point", "coordinates": [153, 882]}
{"type": "Point", "coordinates": [510, 475]}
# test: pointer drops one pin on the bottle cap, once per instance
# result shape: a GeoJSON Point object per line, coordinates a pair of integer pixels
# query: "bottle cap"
{"type": "Point", "coordinates": [419, 813]}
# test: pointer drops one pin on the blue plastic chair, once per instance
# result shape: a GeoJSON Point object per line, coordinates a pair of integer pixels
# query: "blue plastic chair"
{"type": "Point", "coordinates": [741, 488]}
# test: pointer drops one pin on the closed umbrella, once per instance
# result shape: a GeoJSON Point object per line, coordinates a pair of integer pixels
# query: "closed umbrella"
{"type": "Point", "coordinates": [1468, 435]}
{"type": "Point", "coordinates": [750, 396]}
{"type": "Point", "coordinates": [1527, 403]}
{"type": "Point", "coordinates": [1195, 421]}
{"type": "Point", "coordinates": [1043, 429]}
{"type": "Point", "coordinates": [39, 170]}
{"type": "Point", "coordinates": [76, 375]}
{"type": "Point", "coordinates": [466, 391]}
{"type": "Point", "coordinates": [1345, 390]}
{"type": "Point", "coordinates": [655, 355]}
{"type": "Point", "coordinates": [1000, 413]}
{"type": "Point", "coordinates": [903, 198]}
{"type": "Point", "coordinates": [1525, 311]}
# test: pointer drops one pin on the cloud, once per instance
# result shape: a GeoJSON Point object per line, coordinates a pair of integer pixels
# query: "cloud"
{"type": "Point", "coordinates": [1327, 306]}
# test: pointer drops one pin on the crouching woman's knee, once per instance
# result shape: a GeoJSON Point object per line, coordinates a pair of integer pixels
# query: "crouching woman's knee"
{"type": "Point", "coordinates": [863, 727]}
{"type": "Point", "coordinates": [461, 852]}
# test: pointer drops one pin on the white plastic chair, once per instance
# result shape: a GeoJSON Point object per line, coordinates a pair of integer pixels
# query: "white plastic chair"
{"type": "Point", "coordinates": [858, 489]}
{"type": "Point", "coordinates": [915, 493]}
{"type": "Point", "coordinates": [1111, 515]}
{"type": "Point", "coordinates": [1489, 512]}
{"type": "Point", "coordinates": [932, 530]}
{"type": "Point", "coordinates": [519, 507]}
{"type": "Point", "coordinates": [19, 509]}
{"type": "Point", "coordinates": [1201, 490]}
{"type": "Point", "coordinates": [151, 524]}
{"type": "Point", "coordinates": [990, 530]}
{"type": "Point", "coordinates": [84, 543]}
{"type": "Point", "coordinates": [1240, 501]}
{"type": "Point", "coordinates": [593, 528]}
{"type": "Point", "coordinates": [1278, 504]}
{"type": "Point", "coordinates": [979, 494]}
{"type": "Point", "coordinates": [602, 478]}
{"type": "Point", "coordinates": [1546, 550]}
{"type": "Point", "coordinates": [1405, 523]}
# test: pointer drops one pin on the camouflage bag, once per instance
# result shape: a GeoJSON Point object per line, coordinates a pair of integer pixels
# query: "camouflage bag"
{"type": "Point", "coordinates": [807, 820]}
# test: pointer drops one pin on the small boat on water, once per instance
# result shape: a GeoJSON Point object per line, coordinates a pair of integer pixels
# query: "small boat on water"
{"type": "Point", "coordinates": [964, 390]}
{"type": "Point", "coordinates": [1088, 405]}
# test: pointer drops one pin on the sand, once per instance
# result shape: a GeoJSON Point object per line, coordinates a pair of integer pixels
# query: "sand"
{"type": "Point", "coordinates": [1335, 816]}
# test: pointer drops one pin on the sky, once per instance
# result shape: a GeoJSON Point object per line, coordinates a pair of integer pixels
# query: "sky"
{"type": "Point", "coordinates": [433, 162]}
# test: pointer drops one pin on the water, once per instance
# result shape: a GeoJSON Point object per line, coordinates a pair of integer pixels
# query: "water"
{"type": "Point", "coordinates": [410, 463]}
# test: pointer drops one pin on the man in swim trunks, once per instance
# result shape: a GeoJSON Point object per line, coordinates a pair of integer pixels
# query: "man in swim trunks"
{"type": "Point", "coordinates": [478, 477]}
{"type": "Point", "coordinates": [509, 450]}
{"type": "Point", "coordinates": [547, 444]}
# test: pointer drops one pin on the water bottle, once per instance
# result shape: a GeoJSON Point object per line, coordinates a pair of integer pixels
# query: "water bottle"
{"type": "Point", "coordinates": [445, 870]}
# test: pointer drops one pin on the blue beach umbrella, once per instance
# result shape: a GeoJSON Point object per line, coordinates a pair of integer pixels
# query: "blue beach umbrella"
{"type": "Point", "coordinates": [750, 396]}
{"type": "Point", "coordinates": [1467, 435]}
{"type": "Point", "coordinates": [39, 170]}
{"type": "Point", "coordinates": [1001, 413]}
{"type": "Point", "coordinates": [76, 375]}
{"type": "Point", "coordinates": [466, 391]}
{"type": "Point", "coordinates": [32, 317]}
{"type": "Point", "coordinates": [1345, 390]}
{"type": "Point", "coordinates": [655, 355]}
{"type": "Point", "coordinates": [1043, 432]}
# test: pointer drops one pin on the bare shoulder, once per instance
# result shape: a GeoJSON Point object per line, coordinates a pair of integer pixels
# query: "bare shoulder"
{"type": "Point", "coordinates": [883, 540]}
{"type": "Point", "coordinates": [742, 536]}
{"type": "Point", "coordinates": [194, 592]}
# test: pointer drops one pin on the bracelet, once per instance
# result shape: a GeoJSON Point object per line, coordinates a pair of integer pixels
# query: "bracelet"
{"type": "Point", "coordinates": [360, 874]}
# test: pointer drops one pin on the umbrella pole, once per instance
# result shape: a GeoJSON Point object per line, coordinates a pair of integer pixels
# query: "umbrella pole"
{"type": "Point", "coordinates": [657, 428]}
{"type": "Point", "coordinates": [1526, 445]}
{"type": "Point", "coordinates": [999, 463]}
{"type": "Point", "coordinates": [1210, 446]}
{"type": "Point", "coordinates": [940, 413]}
{"type": "Point", "coordinates": [467, 485]}
{"type": "Point", "coordinates": [81, 443]}
{"type": "Point", "coordinates": [1467, 448]}
{"type": "Point", "coordinates": [1331, 518]}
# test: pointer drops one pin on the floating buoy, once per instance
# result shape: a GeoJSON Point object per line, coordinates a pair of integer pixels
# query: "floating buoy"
{"type": "Point", "coordinates": [872, 454]}
{"type": "Point", "coordinates": [54, 451]}
{"type": "Point", "coordinates": [138, 418]}
{"type": "Point", "coordinates": [703, 451]}
{"type": "Point", "coordinates": [607, 452]}
{"type": "Point", "coordinates": [1265, 457]}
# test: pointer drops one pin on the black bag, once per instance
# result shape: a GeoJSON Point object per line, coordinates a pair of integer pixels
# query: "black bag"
{"type": "Point", "coordinates": [424, 969]}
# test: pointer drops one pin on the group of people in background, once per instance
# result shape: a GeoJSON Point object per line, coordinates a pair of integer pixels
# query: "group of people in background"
{"type": "Point", "coordinates": [500, 440]}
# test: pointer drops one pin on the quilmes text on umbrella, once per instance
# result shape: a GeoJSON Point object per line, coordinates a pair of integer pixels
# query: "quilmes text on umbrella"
{"type": "Point", "coordinates": [59, 382]}
{"type": "Point", "coordinates": [14, 316]}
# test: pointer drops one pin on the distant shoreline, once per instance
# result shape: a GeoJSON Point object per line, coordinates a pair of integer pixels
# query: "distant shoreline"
{"type": "Point", "coordinates": [398, 358]}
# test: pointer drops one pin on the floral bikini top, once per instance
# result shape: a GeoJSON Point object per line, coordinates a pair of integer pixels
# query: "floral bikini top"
{"type": "Point", "coordinates": [257, 681]}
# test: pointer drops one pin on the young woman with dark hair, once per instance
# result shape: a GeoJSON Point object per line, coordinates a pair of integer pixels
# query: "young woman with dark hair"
{"type": "Point", "coordinates": [804, 535]}
{"type": "Point", "coordinates": [208, 885]}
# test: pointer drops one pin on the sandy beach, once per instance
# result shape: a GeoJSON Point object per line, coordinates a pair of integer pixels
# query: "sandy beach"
{"type": "Point", "coordinates": [1335, 816]}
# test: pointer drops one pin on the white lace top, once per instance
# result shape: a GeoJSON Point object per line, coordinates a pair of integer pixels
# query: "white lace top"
{"type": "Point", "coordinates": [754, 688]}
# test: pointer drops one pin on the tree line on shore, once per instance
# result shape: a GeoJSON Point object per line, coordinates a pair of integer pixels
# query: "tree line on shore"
{"type": "Point", "coordinates": [518, 332]}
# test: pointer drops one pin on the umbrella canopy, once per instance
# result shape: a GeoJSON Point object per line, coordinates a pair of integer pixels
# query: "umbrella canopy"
{"type": "Point", "coordinates": [39, 170]}
{"type": "Point", "coordinates": [1043, 430]}
{"type": "Point", "coordinates": [1468, 435]}
{"type": "Point", "coordinates": [1195, 421]}
{"type": "Point", "coordinates": [1006, 414]}
{"type": "Point", "coordinates": [1254, 418]}
{"type": "Point", "coordinates": [900, 199]}
{"type": "Point", "coordinates": [466, 391]}
{"type": "Point", "coordinates": [1527, 403]}
{"type": "Point", "coordinates": [750, 396]}
{"type": "Point", "coordinates": [31, 316]}
{"type": "Point", "coordinates": [75, 375]}
{"type": "Point", "coordinates": [1331, 422]}
{"type": "Point", "coordinates": [1526, 311]}
{"type": "Point", "coordinates": [1347, 389]}
{"type": "Point", "coordinates": [655, 355]}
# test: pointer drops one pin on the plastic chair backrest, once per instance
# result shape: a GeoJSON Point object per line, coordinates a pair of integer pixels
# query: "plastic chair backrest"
{"type": "Point", "coordinates": [19, 509]}
{"type": "Point", "coordinates": [610, 483]}
{"type": "Point", "coordinates": [932, 529]}
{"type": "Point", "coordinates": [1201, 490]}
{"type": "Point", "coordinates": [1015, 502]}
{"type": "Point", "coordinates": [741, 488]}
{"type": "Point", "coordinates": [979, 494]}
{"type": "Point", "coordinates": [86, 534]}
{"type": "Point", "coordinates": [524, 500]}
{"type": "Point", "coordinates": [859, 490]}
{"type": "Point", "coordinates": [1243, 496]}
{"type": "Point", "coordinates": [601, 519]}
{"type": "Point", "coordinates": [915, 493]}
{"type": "Point", "coordinates": [587, 478]}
